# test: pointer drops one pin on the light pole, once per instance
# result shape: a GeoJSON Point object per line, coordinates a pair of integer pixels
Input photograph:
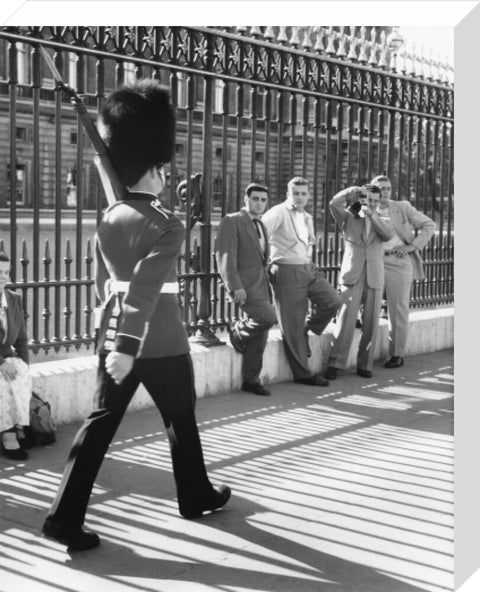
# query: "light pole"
{"type": "Point", "coordinates": [394, 43]}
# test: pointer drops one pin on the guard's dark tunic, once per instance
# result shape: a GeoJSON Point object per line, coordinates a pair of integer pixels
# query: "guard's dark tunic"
{"type": "Point", "coordinates": [139, 242]}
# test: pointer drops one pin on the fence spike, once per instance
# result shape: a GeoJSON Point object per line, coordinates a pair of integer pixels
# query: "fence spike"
{"type": "Point", "coordinates": [89, 255]}
{"type": "Point", "coordinates": [24, 260]}
{"type": "Point", "coordinates": [68, 252]}
{"type": "Point", "coordinates": [47, 259]}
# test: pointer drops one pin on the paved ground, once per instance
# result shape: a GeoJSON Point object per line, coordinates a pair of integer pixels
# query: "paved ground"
{"type": "Point", "coordinates": [347, 488]}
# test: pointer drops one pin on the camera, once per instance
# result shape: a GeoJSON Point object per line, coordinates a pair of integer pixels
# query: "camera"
{"type": "Point", "coordinates": [360, 199]}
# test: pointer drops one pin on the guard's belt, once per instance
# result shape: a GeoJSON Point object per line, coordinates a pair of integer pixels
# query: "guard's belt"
{"type": "Point", "coordinates": [120, 287]}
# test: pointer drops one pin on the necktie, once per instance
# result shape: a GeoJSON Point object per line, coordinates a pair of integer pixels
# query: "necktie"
{"type": "Point", "coordinates": [367, 226]}
{"type": "Point", "coordinates": [257, 223]}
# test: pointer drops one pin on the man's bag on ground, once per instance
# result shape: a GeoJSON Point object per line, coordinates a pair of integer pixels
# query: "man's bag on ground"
{"type": "Point", "coordinates": [42, 426]}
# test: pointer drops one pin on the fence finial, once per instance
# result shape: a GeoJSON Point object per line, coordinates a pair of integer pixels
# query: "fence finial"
{"type": "Point", "coordinates": [373, 47]}
{"type": "Point", "coordinates": [319, 42]}
{"type": "Point", "coordinates": [352, 54]}
{"type": "Point", "coordinates": [307, 42]}
{"type": "Point", "coordinates": [362, 58]}
{"type": "Point", "coordinates": [382, 62]}
{"type": "Point", "coordinates": [342, 40]}
{"type": "Point", "coordinates": [282, 35]}
{"type": "Point", "coordinates": [269, 33]}
{"type": "Point", "coordinates": [295, 38]}
{"type": "Point", "coordinates": [330, 45]}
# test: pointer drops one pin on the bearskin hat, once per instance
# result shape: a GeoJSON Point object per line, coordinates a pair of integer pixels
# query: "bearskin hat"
{"type": "Point", "coordinates": [137, 124]}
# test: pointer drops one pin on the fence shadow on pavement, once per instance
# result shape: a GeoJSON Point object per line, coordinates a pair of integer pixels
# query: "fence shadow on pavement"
{"type": "Point", "coordinates": [348, 488]}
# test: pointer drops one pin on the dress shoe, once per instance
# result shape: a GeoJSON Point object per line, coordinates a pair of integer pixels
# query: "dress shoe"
{"type": "Point", "coordinates": [25, 437]}
{"type": "Point", "coordinates": [76, 538]}
{"type": "Point", "coordinates": [235, 340]}
{"type": "Point", "coordinates": [220, 498]}
{"type": "Point", "coordinates": [11, 447]}
{"type": "Point", "coordinates": [315, 380]}
{"type": "Point", "coordinates": [330, 373]}
{"type": "Point", "coordinates": [256, 388]}
{"type": "Point", "coordinates": [394, 362]}
{"type": "Point", "coordinates": [364, 373]}
{"type": "Point", "coordinates": [15, 454]}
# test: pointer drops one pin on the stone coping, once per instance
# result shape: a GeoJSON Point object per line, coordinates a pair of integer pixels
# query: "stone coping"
{"type": "Point", "coordinates": [69, 384]}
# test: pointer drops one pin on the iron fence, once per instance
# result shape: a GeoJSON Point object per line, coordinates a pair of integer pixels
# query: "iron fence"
{"type": "Point", "coordinates": [253, 104]}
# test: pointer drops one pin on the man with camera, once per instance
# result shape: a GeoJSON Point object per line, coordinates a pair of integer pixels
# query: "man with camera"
{"type": "Point", "coordinates": [361, 275]}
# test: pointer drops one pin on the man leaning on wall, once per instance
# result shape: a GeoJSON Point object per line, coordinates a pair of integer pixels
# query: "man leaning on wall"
{"type": "Point", "coordinates": [402, 261]}
{"type": "Point", "coordinates": [296, 280]}
{"type": "Point", "coordinates": [242, 255]}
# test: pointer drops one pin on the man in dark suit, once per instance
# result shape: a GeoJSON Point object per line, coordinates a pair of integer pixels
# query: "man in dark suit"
{"type": "Point", "coordinates": [141, 337]}
{"type": "Point", "coordinates": [242, 255]}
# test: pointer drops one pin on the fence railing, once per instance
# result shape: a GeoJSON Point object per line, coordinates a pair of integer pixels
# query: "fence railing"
{"type": "Point", "coordinates": [253, 104]}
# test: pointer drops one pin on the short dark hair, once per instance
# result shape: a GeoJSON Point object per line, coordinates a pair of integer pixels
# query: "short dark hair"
{"type": "Point", "coordinates": [4, 256]}
{"type": "Point", "coordinates": [380, 179]}
{"type": "Point", "coordinates": [255, 187]}
{"type": "Point", "coordinates": [372, 188]}
{"type": "Point", "coordinates": [137, 124]}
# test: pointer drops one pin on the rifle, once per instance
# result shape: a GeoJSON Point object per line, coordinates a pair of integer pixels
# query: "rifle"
{"type": "Point", "coordinates": [113, 187]}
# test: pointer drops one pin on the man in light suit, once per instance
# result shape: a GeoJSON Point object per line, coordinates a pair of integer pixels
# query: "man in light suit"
{"type": "Point", "coordinates": [403, 263]}
{"type": "Point", "coordinates": [361, 275]}
{"type": "Point", "coordinates": [242, 255]}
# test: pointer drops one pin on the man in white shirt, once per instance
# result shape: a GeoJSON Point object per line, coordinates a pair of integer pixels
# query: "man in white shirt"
{"type": "Point", "coordinates": [296, 280]}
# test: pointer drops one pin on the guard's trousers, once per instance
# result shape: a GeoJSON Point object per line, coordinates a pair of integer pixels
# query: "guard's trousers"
{"type": "Point", "coordinates": [170, 383]}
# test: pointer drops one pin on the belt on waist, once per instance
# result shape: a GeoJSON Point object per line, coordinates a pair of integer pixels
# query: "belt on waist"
{"type": "Point", "coordinates": [387, 253]}
{"type": "Point", "coordinates": [119, 287]}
